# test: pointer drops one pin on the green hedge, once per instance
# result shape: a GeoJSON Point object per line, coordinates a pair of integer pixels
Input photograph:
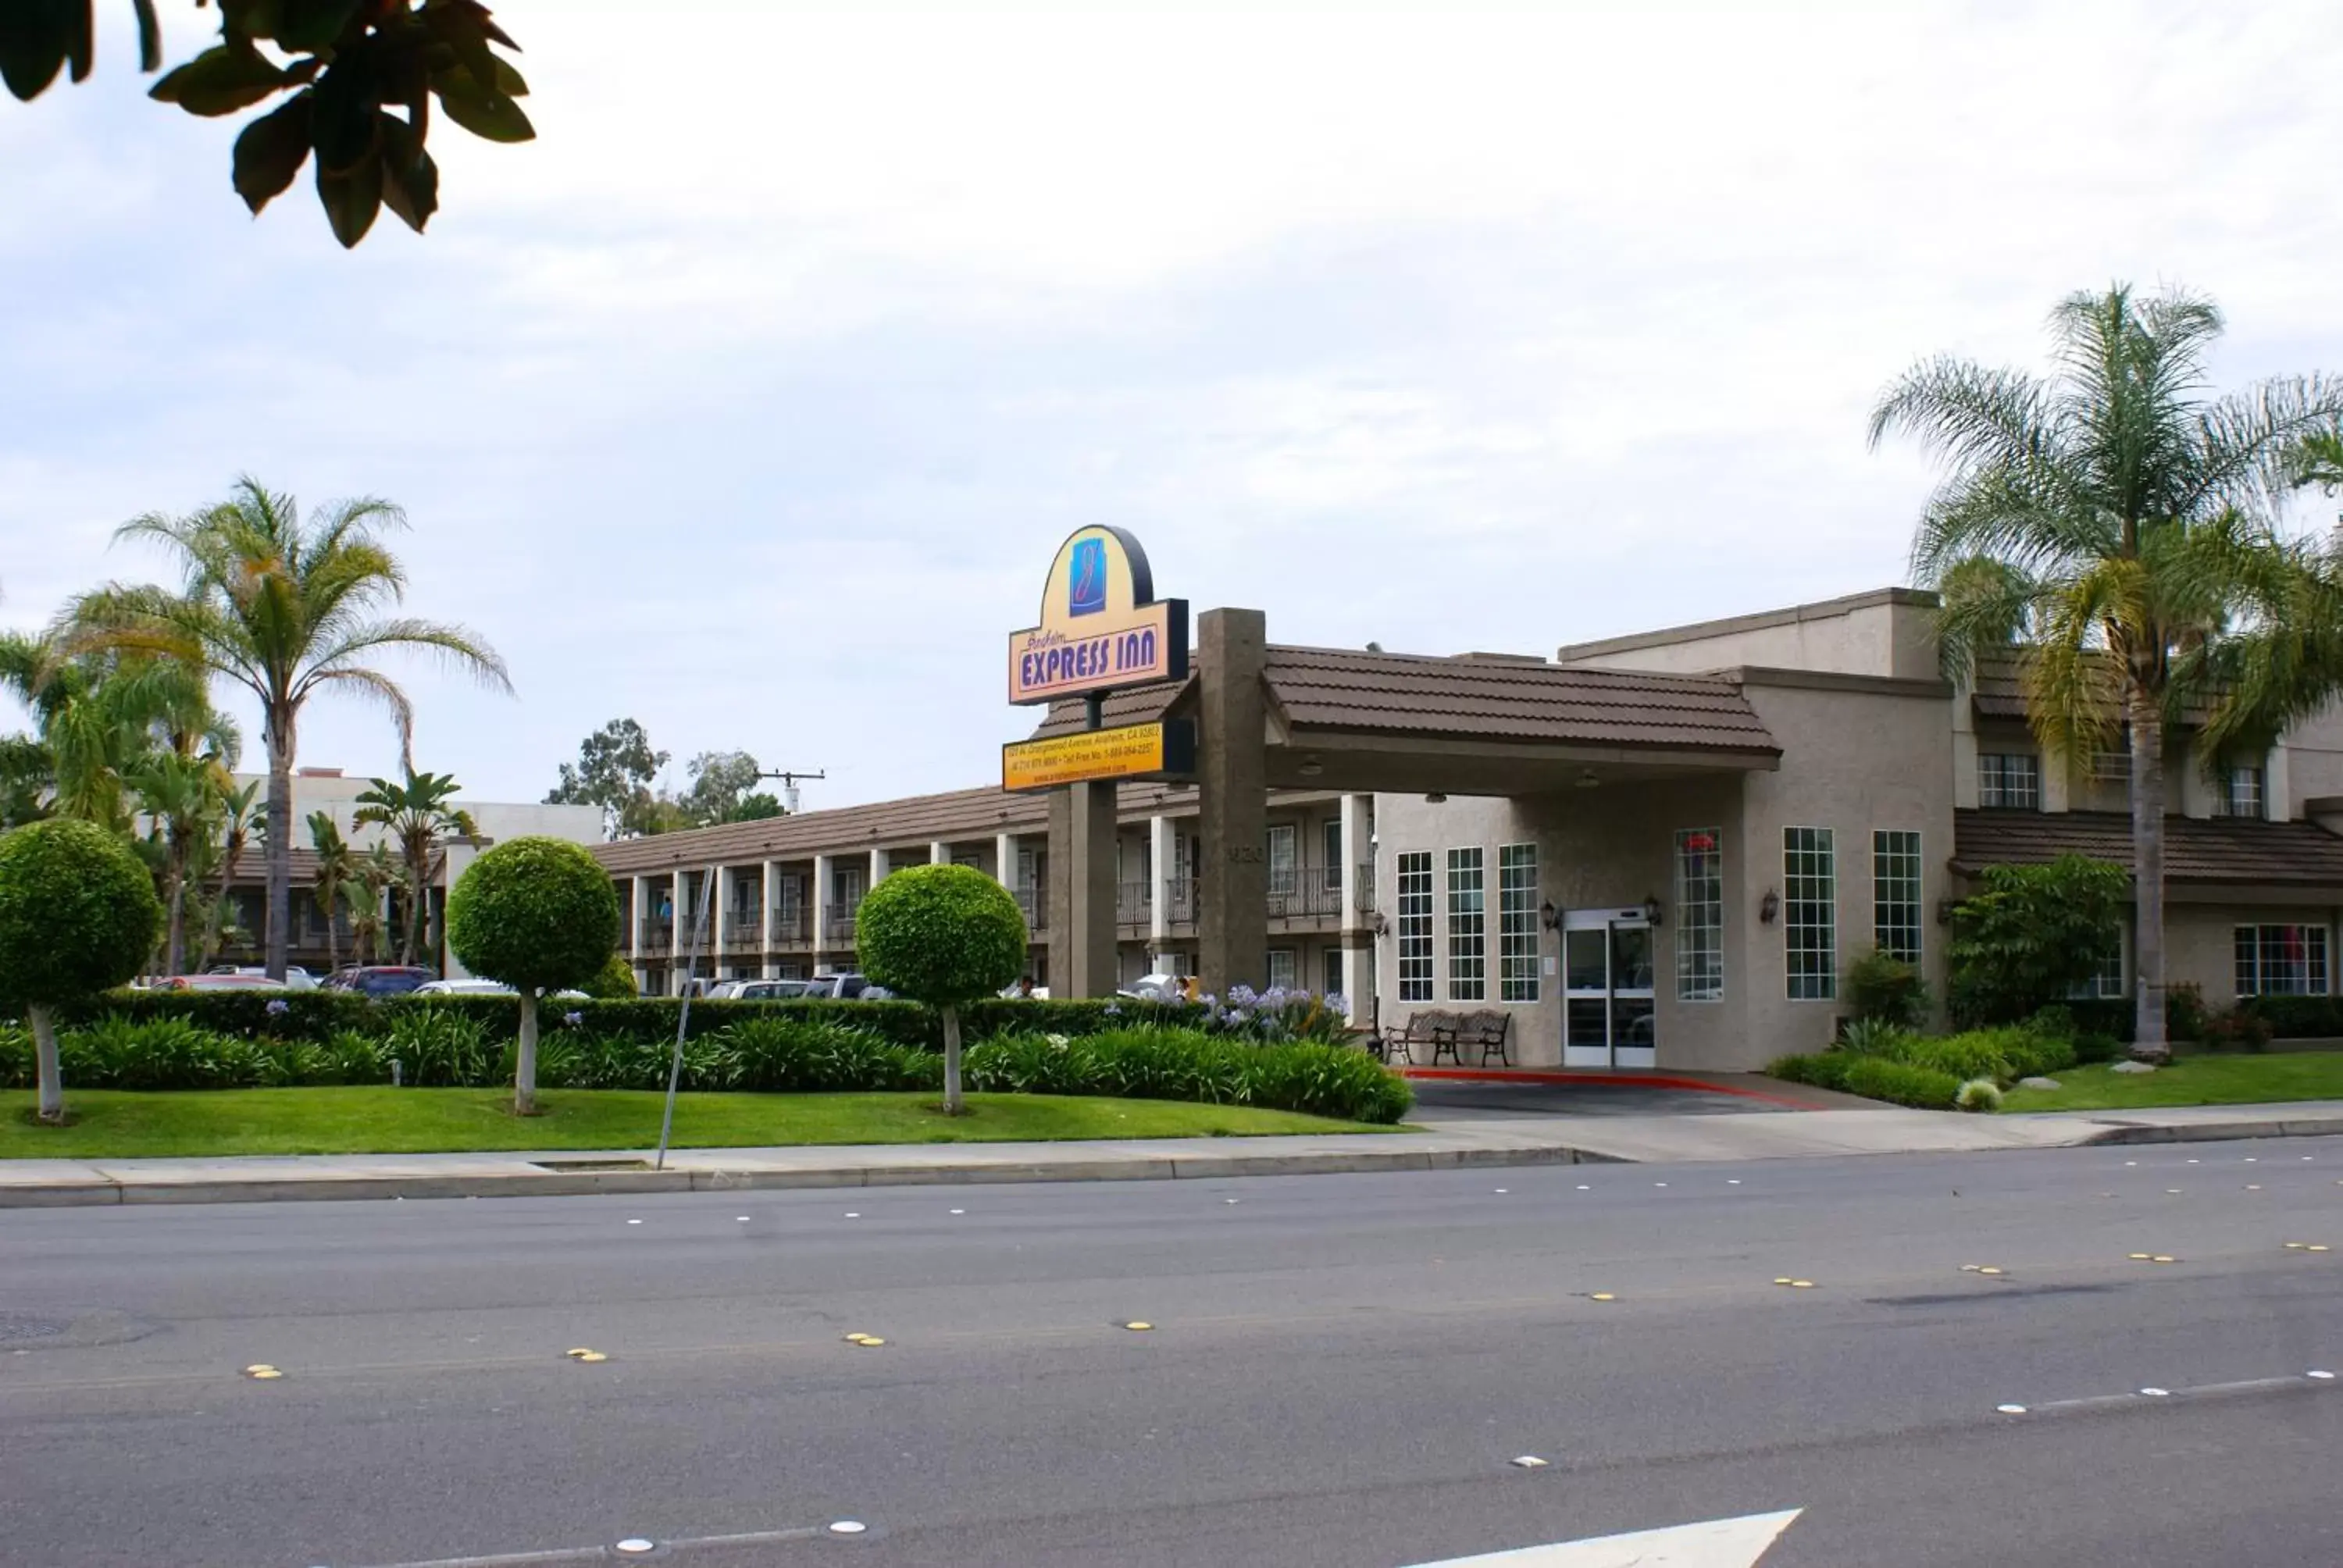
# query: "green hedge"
{"type": "Point", "coordinates": [1872, 1077]}
{"type": "Point", "coordinates": [2297, 1017]}
{"type": "Point", "coordinates": [1912, 1068]}
{"type": "Point", "coordinates": [1149, 1064]}
{"type": "Point", "coordinates": [317, 1016]}
{"type": "Point", "coordinates": [779, 1049]}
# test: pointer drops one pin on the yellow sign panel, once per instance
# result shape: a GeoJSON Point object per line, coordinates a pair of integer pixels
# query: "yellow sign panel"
{"type": "Point", "coordinates": [1125, 752]}
{"type": "Point", "coordinates": [1101, 625]}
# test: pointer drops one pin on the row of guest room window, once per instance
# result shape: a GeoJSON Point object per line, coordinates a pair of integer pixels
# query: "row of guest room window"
{"type": "Point", "coordinates": [2013, 781]}
{"type": "Point", "coordinates": [1809, 912]}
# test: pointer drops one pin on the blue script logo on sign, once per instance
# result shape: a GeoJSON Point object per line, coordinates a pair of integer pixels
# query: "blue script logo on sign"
{"type": "Point", "coordinates": [1086, 583]}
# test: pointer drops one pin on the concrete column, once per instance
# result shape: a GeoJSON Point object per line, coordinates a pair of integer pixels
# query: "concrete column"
{"type": "Point", "coordinates": [769, 968]}
{"type": "Point", "coordinates": [1359, 982]}
{"type": "Point", "coordinates": [1232, 875]}
{"type": "Point", "coordinates": [878, 870]}
{"type": "Point", "coordinates": [1160, 852]}
{"type": "Point", "coordinates": [1081, 890]}
{"type": "Point", "coordinates": [1004, 859]}
{"type": "Point", "coordinates": [678, 882]}
{"type": "Point", "coordinates": [819, 904]}
{"type": "Point", "coordinates": [720, 927]}
{"type": "Point", "coordinates": [2277, 786]}
{"type": "Point", "coordinates": [1358, 834]}
{"type": "Point", "coordinates": [641, 913]}
{"type": "Point", "coordinates": [938, 853]}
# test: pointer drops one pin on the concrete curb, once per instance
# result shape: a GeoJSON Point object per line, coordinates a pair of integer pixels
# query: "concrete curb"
{"type": "Point", "coordinates": [2213, 1131]}
{"type": "Point", "coordinates": [560, 1184]}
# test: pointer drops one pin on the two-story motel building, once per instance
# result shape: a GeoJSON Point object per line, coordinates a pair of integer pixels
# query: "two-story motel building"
{"type": "Point", "coordinates": [1761, 800]}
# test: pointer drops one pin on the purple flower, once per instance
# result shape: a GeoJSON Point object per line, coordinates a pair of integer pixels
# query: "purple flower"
{"type": "Point", "coordinates": [1237, 1015]}
{"type": "Point", "coordinates": [573, 1019]}
{"type": "Point", "coordinates": [1112, 1011]}
{"type": "Point", "coordinates": [1337, 1002]}
{"type": "Point", "coordinates": [1242, 995]}
{"type": "Point", "coordinates": [278, 1006]}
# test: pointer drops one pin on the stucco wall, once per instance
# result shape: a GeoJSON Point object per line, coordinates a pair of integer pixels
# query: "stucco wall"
{"type": "Point", "coordinates": [1868, 634]}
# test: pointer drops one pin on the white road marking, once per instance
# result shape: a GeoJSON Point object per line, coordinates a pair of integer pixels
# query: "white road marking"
{"type": "Point", "coordinates": [1714, 1543]}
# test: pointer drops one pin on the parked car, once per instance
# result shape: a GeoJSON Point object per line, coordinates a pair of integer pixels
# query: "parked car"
{"type": "Point", "coordinates": [758, 989]}
{"type": "Point", "coordinates": [253, 981]}
{"type": "Point", "coordinates": [382, 980]}
{"type": "Point", "coordinates": [1155, 988]}
{"type": "Point", "coordinates": [296, 977]}
{"type": "Point", "coordinates": [474, 986]}
{"type": "Point", "coordinates": [845, 988]}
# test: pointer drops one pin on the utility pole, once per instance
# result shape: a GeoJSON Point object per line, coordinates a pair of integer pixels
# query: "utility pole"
{"type": "Point", "coordinates": [790, 785]}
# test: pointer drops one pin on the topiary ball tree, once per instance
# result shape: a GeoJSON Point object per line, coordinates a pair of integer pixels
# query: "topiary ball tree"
{"type": "Point", "coordinates": [539, 915]}
{"type": "Point", "coordinates": [79, 915]}
{"type": "Point", "coordinates": [615, 981]}
{"type": "Point", "coordinates": [946, 936]}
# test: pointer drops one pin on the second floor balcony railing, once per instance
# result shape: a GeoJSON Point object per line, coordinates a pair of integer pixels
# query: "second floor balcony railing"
{"type": "Point", "coordinates": [1035, 903]}
{"type": "Point", "coordinates": [1133, 905]}
{"type": "Point", "coordinates": [792, 923]}
{"type": "Point", "coordinates": [655, 937]}
{"type": "Point", "coordinates": [839, 929]}
{"type": "Point", "coordinates": [743, 932]}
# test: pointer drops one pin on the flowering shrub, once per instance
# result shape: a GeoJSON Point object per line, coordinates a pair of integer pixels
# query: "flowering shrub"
{"type": "Point", "coordinates": [1278, 1015]}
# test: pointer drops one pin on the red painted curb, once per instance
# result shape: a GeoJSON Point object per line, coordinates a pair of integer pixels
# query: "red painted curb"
{"type": "Point", "coordinates": [1622, 1080]}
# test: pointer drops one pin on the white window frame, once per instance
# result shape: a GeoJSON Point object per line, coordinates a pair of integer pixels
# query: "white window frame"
{"type": "Point", "coordinates": [2262, 929]}
{"type": "Point", "coordinates": [1413, 921]}
{"type": "Point", "coordinates": [1468, 925]}
{"type": "Point", "coordinates": [1292, 966]}
{"type": "Point", "coordinates": [1700, 916]}
{"type": "Point", "coordinates": [1330, 963]}
{"type": "Point", "coordinates": [1284, 860]}
{"type": "Point", "coordinates": [1331, 841]}
{"type": "Point", "coordinates": [1518, 937]}
{"type": "Point", "coordinates": [1993, 769]}
{"type": "Point", "coordinates": [1896, 890]}
{"type": "Point", "coordinates": [1809, 909]}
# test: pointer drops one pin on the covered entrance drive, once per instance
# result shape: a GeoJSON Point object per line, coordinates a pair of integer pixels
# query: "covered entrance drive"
{"type": "Point", "coordinates": [1391, 726]}
{"type": "Point", "coordinates": [1609, 1006]}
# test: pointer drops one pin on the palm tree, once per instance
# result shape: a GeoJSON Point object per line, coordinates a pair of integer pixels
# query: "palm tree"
{"type": "Point", "coordinates": [337, 871]}
{"type": "Point", "coordinates": [2120, 526]}
{"type": "Point", "coordinates": [418, 816]}
{"type": "Point", "coordinates": [181, 798]}
{"type": "Point", "coordinates": [376, 875]}
{"type": "Point", "coordinates": [284, 609]}
{"type": "Point", "coordinates": [236, 822]}
{"type": "Point", "coordinates": [101, 715]}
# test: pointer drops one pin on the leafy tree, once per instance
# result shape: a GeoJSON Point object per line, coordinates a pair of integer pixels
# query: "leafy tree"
{"type": "Point", "coordinates": [420, 816]}
{"type": "Point", "coordinates": [336, 879]}
{"type": "Point", "coordinates": [724, 789]}
{"type": "Point", "coordinates": [102, 715]}
{"type": "Point", "coordinates": [285, 609]}
{"type": "Point", "coordinates": [614, 770]}
{"type": "Point", "coordinates": [2120, 524]}
{"type": "Point", "coordinates": [2031, 935]}
{"type": "Point", "coordinates": [27, 775]}
{"type": "Point", "coordinates": [614, 982]}
{"type": "Point", "coordinates": [183, 798]}
{"type": "Point", "coordinates": [539, 915]}
{"type": "Point", "coordinates": [946, 936]}
{"type": "Point", "coordinates": [376, 876]}
{"type": "Point", "coordinates": [237, 823]}
{"type": "Point", "coordinates": [346, 65]}
{"type": "Point", "coordinates": [77, 916]}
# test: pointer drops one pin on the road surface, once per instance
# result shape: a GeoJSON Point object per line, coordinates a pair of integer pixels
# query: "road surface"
{"type": "Point", "coordinates": [1340, 1371]}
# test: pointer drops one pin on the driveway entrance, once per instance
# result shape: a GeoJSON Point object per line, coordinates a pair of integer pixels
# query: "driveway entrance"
{"type": "Point", "coordinates": [1521, 1099]}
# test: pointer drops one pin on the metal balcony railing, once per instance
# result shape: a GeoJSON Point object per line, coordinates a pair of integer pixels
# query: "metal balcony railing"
{"type": "Point", "coordinates": [743, 932]}
{"type": "Point", "coordinates": [792, 923]}
{"type": "Point", "coordinates": [1035, 903]}
{"type": "Point", "coordinates": [656, 937]}
{"type": "Point", "coordinates": [1133, 904]}
{"type": "Point", "coordinates": [1181, 894]}
{"type": "Point", "coordinates": [839, 928]}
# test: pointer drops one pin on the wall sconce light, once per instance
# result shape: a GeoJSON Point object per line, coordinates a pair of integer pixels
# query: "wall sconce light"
{"type": "Point", "coordinates": [1653, 911]}
{"type": "Point", "coordinates": [1310, 767]}
{"type": "Point", "coordinates": [1549, 917]}
{"type": "Point", "coordinates": [1768, 906]}
{"type": "Point", "coordinates": [1381, 924]}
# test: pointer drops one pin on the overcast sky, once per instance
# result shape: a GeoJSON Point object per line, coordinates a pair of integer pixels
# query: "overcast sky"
{"type": "Point", "coordinates": [753, 397]}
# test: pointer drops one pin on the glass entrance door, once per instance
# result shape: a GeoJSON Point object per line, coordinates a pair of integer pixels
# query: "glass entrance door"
{"type": "Point", "coordinates": [1608, 1002]}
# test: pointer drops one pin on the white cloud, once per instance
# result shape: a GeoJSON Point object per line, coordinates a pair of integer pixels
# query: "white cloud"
{"type": "Point", "coordinates": [750, 399]}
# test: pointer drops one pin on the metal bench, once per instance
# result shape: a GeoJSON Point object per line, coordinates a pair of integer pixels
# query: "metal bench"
{"type": "Point", "coordinates": [1488, 1030]}
{"type": "Point", "coordinates": [1432, 1028]}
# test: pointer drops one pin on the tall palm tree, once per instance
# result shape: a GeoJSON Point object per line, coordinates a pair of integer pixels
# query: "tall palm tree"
{"type": "Point", "coordinates": [377, 875]}
{"type": "Point", "coordinates": [101, 714]}
{"type": "Point", "coordinates": [337, 871]}
{"type": "Point", "coordinates": [284, 609]}
{"type": "Point", "coordinates": [2120, 524]}
{"type": "Point", "coordinates": [418, 816]}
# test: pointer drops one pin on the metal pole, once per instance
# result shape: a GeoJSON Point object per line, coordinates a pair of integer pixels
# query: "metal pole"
{"type": "Point", "coordinates": [683, 1015]}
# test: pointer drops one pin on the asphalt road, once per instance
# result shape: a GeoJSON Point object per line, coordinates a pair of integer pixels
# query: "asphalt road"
{"type": "Point", "coordinates": [1339, 1372]}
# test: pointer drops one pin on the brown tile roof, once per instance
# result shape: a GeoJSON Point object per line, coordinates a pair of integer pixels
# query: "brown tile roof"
{"type": "Point", "coordinates": [916, 819]}
{"type": "Point", "coordinates": [2196, 849]}
{"type": "Point", "coordinates": [1488, 697]}
{"type": "Point", "coordinates": [1511, 700]}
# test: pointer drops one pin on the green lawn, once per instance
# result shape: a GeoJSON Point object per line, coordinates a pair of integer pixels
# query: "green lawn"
{"type": "Point", "coordinates": [118, 1123]}
{"type": "Point", "coordinates": [2192, 1080]}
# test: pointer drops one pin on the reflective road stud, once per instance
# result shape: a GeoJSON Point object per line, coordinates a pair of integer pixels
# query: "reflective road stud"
{"type": "Point", "coordinates": [1138, 1325]}
{"type": "Point", "coordinates": [2010, 1409]}
{"type": "Point", "coordinates": [1526, 1461]}
{"type": "Point", "coordinates": [582, 1354]}
{"type": "Point", "coordinates": [261, 1372]}
{"type": "Point", "coordinates": [635, 1546]}
{"type": "Point", "coordinates": [1602, 1296]}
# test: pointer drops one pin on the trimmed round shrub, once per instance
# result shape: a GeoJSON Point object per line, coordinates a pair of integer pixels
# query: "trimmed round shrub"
{"type": "Point", "coordinates": [77, 916]}
{"type": "Point", "coordinates": [616, 982]}
{"type": "Point", "coordinates": [539, 914]}
{"type": "Point", "coordinates": [946, 936]}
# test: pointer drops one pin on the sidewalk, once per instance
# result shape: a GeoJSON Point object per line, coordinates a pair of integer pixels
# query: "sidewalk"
{"type": "Point", "coordinates": [1434, 1146]}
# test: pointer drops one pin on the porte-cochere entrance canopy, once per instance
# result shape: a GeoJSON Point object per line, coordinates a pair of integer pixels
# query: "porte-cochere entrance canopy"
{"type": "Point", "coordinates": [1278, 716]}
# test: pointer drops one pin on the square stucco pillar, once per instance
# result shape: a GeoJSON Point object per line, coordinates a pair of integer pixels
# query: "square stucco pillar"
{"type": "Point", "coordinates": [1161, 851]}
{"type": "Point", "coordinates": [1082, 890]}
{"type": "Point", "coordinates": [1004, 859]}
{"type": "Point", "coordinates": [880, 866]}
{"type": "Point", "coordinates": [822, 874]}
{"type": "Point", "coordinates": [1358, 872]}
{"type": "Point", "coordinates": [642, 912]}
{"type": "Point", "coordinates": [721, 923]}
{"type": "Point", "coordinates": [938, 853]}
{"type": "Point", "coordinates": [769, 968]}
{"type": "Point", "coordinates": [1233, 872]}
